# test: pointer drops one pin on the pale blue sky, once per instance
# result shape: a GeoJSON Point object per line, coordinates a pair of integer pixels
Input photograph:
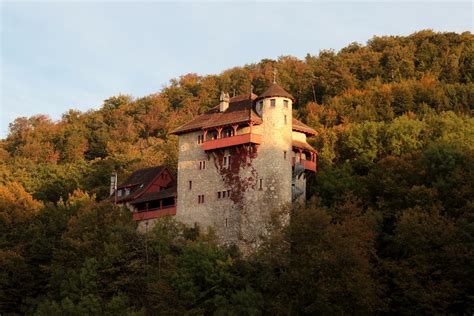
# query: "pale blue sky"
{"type": "Point", "coordinates": [60, 55]}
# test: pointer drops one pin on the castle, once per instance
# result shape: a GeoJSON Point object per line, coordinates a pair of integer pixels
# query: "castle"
{"type": "Point", "coordinates": [237, 162]}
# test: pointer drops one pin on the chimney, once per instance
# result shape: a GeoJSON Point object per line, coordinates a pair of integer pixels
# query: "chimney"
{"type": "Point", "coordinates": [224, 105]}
{"type": "Point", "coordinates": [113, 183]}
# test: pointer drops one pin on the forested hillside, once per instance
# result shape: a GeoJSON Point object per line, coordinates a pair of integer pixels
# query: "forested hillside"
{"type": "Point", "coordinates": [388, 227]}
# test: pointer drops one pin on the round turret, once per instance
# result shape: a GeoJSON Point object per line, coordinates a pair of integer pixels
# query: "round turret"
{"type": "Point", "coordinates": [275, 104]}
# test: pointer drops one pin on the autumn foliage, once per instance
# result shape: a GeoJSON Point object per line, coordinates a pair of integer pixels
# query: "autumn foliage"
{"type": "Point", "coordinates": [387, 229]}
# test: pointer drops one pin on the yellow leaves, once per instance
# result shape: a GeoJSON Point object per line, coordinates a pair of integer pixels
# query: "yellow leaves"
{"type": "Point", "coordinates": [146, 150]}
{"type": "Point", "coordinates": [79, 196]}
{"type": "Point", "coordinates": [428, 81]}
{"type": "Point", "coordinates": [16, 205]}
{"type": "Point", "coordinates": [314, 109]}
{"type": "Point", "coordinates": [39, 152]}
{"type": "Point", "coordinates": [4, 155]}
{"type": "Point", "coordinates": [385, 89]}
{"type": "Point", "coordinates": [74, 148]}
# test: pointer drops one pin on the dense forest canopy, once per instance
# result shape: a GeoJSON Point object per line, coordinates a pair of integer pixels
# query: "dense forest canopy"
{"type": "Point", "coordinates": [388, 227]}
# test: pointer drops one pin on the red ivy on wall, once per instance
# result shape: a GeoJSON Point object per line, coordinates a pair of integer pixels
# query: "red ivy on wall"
{"type": "Point", "coordinates": [241, 158]}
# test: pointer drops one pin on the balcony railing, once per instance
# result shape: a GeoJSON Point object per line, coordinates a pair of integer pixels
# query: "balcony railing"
{"type": "Point", "coordinates": [154, 213]}
{"type": "Point", "coordinates": [307, 164]}
{"type": "Point", "coordinates": [249, 138]}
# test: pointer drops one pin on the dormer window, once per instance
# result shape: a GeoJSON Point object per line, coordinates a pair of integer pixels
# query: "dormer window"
{"type": "Point", "coordinates": [272, 103]}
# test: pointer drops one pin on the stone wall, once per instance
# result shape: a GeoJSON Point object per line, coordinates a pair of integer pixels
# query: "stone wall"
{"type": "Point", "coordinates": [213, 212]}
{"type": "Point", "coordinates": [299, 136]}
{"type": "Point", "coordinates": [241, 218]}
{"type": "Point", "coordinates": [274, 171]}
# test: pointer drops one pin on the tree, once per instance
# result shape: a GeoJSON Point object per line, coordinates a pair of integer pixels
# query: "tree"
{"type": "Point", "coordinates": [17, 211]}
{"type": "Point", "coordinates": [326, 258]}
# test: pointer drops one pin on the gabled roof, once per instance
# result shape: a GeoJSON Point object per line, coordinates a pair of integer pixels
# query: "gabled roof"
{"type": "Point", "coordinates": [159, 195]}
{"type": "Point", "coordinates": [240, 110]}
{"type": "Point", "coordinates": [138, 182]}
{"type": "Point", "coordinates": [274, 90]}
{"type": "Point", "coordinates": [302, 127]}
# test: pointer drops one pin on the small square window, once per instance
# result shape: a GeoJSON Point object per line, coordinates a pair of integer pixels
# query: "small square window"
{"type": "Point", "coordinates": [272, 103]}
{"type": "Point", "coordinates": [284, 154]}
{"type": "Point", "coordinates": [261, 184]}
{"type": "Point", "coordinates": [219, 194]}
{"type": "Point", "coordinates": [286, 120]}
{"type": "Point", "coordinates": [190, 185]}
{"type": "Point", "coordinates": [223, 194]}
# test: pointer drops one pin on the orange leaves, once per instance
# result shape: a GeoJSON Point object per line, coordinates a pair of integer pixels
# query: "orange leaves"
{"type": "Point", "coordinates": [16, 205]}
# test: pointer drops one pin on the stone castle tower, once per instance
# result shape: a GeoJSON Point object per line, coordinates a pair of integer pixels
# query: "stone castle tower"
{"type": "Point", "coordinates": [240, 160]}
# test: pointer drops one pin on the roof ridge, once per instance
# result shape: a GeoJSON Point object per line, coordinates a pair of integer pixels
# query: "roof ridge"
{"type": "Point", "coordinates": [240, 110]}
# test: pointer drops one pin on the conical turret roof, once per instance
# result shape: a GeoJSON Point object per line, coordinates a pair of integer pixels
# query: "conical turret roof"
{"type": "Point", "coordinates": [274, 90]}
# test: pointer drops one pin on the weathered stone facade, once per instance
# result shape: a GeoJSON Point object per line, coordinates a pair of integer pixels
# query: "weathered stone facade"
{"type": "Point", "coordinates": [236, 195]}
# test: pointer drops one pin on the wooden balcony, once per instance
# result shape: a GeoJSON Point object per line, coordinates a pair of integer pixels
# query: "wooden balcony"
{"type": "Point", "coordinates": [154, 213]}
{"type": "Point", "coordinates": [307, 164]}
{"type": "Point", "coordinates": [219, 143]}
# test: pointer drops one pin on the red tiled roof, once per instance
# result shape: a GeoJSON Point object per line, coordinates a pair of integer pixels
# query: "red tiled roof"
{"type": "Point", "coordinates": [159, 195]}
{"type": "Point", "coordinates": [302, 127]}
{"type": "Point", "coordinates": [240, 110]}
{"type": "Point", "coordinates": [303, 145]}
{"type": "Point", "coordinates": [138, 182]}
{"type": "Point", "coordinates": [275, 91]}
